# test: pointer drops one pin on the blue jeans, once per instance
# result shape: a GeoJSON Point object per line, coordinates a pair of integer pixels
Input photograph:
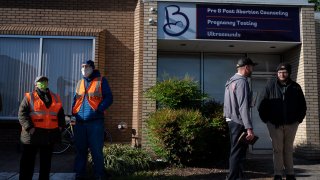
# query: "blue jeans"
{"type": "Point", "coordinates": [89, 135]}
{"type": "Point", "coordinates": [237, 152]}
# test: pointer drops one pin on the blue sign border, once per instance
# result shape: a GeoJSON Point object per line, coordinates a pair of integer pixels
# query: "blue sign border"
{"type": "Point", "coordinates": [258, 23]}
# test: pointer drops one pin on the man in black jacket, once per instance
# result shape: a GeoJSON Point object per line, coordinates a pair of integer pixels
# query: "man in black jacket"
{"type": "Point", "coordinates": [41, 117]}
{"type": "Point", "coordinates": [282, 107]}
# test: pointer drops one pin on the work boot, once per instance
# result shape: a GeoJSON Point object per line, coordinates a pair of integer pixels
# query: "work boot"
{"type": "Point", "coordinates": [277, 177]}
{"type": "Point", "coordinates": [290, 177]}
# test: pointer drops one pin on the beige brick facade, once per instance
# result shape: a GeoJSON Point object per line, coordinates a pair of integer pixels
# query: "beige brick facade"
{"type": "Point", "coordinates": [317, 27]}
{"type": "Point", "coordinates": [149, 63]}
{"type": "Point", "coordinates": [111, 22]}
{"type": "Point", "coordinates": [305, 72]}
{"type": "Point", "coordinates": [137, 76]}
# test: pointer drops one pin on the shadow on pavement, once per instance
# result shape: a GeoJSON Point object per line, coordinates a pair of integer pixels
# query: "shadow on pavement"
{"type": "Point", "coordinates": [10, 159]}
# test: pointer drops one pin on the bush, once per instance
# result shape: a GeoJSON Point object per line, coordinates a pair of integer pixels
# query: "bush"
{"type": "Point", "coordinates": [124, 159]}
{"type": "Point", "coordinates": [174, 134]}
{"type": "Point", "coordinates": [185, 137]}
{"type": "Point", "coordinates": [219, 131]}
{"type": "Point", "coordinates": [121, 160]}
{"type": "Point", "coordinates": [184, 130]}
{"type": "Point", "coordinates": [177, 94]}
{"type": "Point", "coordinates": [214, 111]}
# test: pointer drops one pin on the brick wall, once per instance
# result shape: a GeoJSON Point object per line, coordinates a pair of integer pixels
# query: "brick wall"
{"type": "Point", "coordinates": [112, 22]}
{"type": "Point", "coordinates": [305, 72]}
{"type": "Point", "coordinates": [137, 79]}
{"type": "Point", "coordinates": [10, 135]}
{"type": "Point", "coordinates": [317, 27]}
{"type": "Point", "coordinates": [149, 64]}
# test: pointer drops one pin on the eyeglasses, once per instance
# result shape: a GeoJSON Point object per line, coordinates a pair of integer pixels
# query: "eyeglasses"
{"type": "Point", "coordinates": [282, 72]}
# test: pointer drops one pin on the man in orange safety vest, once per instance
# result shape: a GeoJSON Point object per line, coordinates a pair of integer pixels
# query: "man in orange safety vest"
{"type": "Point", "coordinates": [41, 117]}
{"type": "Point", "coordinates": [93, 96]}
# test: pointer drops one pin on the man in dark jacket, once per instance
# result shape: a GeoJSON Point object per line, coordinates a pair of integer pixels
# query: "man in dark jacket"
{"type": "Point", "coordinates": [236, 110]}
{"type": "Point", "coordinates": [0, 103]}
{"type": "Point", "coordinates": [282, 106]}
{"type": "Point", "coordinates": [41, 116]}
{"type": "Point", "coordinates": [93, 96]}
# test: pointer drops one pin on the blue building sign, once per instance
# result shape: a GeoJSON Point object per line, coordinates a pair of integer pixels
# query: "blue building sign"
{"type": "Point", "coordinates": [248, 23]}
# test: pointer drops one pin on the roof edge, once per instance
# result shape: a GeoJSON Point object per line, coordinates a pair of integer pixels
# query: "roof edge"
{"type": "Point", "coordinates": [253, 2]}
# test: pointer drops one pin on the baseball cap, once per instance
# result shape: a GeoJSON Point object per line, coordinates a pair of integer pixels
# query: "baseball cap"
{"type": "Point", "coordinates": [89, 63]}
{"type": "Point", "coordinates": [245, 61]}
{"type": "Point", "coordinates": [40, 78]}
{"type": "Point", "coordinates": [284, 66]}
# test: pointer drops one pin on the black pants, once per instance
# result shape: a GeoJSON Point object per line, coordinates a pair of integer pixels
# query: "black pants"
{"type": "Point", "coordinates": [28, 159]}
{"type": "Point", "coordinates": [237, 152]}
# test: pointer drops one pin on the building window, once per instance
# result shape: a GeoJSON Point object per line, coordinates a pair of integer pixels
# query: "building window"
{"type": "Point", "coordinates": [179, 65]}
{"type": "Point", "coordinates": [212, 70]}
{"type": "Point", "coordinates": [24, 57]}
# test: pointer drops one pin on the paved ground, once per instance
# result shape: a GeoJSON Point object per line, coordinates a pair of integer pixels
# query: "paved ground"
{"type": "Point", "coordinates": [262, 166]}
{"type": "Point", "coordinates": [259, 167]}
{"type": "Point", "coordinates": [62, 165]}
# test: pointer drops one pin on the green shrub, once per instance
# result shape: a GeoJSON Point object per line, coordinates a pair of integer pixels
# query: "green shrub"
{"type": "Point", "coordinates": [177, 94]}
{"type": "Point", "coordinates": [177, 135]}
{"type": "Point", "coordinates": [123, 160]}
{"type": "Point", "coordinates": [218, 141]}
{"type": "Point", "coordinates": [213, 110]}
{"type": "Point", "coordinates": [184, 130]}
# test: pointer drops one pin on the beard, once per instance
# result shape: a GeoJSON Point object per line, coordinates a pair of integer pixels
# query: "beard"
{"type": "Point", "coordinates": [249, 74]}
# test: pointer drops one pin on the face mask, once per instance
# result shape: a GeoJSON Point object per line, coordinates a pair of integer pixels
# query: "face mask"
{"type": "Point", "coordinates": [42, 85]}
{"type": "Point", "coordinates": [86, 71]}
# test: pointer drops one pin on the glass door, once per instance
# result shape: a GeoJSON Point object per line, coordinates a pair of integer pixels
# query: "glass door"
{"type": "Point", "coordinates": [263, 145]}
{"type": "Point", "coordinates": [213, 70]}
{"type": "Point", "coordinates": [217, 69]}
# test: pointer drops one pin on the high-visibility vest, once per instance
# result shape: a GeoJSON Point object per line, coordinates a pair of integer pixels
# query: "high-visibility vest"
{"type": "Point", "coordinates": [41, 116]}
{"type": "Point", "coordinates": [93, 94]}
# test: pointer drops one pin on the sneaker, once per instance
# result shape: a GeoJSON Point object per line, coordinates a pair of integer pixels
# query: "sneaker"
{"type": "Point", "coordinates": [290, 177]}
{"type": "Point", "coordinates": [277, 177]}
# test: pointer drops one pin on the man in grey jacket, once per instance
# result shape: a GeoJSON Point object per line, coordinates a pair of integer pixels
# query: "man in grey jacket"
{"type": "Point", "coordinates": [237, 113]}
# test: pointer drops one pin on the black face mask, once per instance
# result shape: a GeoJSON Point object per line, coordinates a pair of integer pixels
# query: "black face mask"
{"type": "Point", "coordinates": [45, 97]}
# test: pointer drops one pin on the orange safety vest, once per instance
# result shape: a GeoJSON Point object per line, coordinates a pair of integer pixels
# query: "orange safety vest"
{"type": "Point", "coordinates": [93, 94]}
{"type": "Point", "coordinates": [41, 116]}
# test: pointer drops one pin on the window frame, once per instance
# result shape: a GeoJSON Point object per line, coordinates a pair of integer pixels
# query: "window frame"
{"type": "Point", "coordinates": [41, 38]}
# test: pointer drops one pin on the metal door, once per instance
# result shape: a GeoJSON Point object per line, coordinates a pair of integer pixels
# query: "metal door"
{"type": "Point", "coordinates": [263, 145]}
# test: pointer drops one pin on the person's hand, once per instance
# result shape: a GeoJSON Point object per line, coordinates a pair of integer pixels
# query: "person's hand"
{"type": "Point", "coordinates": [73, 122]}
{"type": "Point", "coordinates": [31, 131]}
{"type": "Point", "coordinates": [250, 134]}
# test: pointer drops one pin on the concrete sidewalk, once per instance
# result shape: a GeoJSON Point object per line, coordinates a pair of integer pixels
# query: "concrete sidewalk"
{"type": "Point", "coordinates": [54, 176]}
{"type": "Point", "coordinates": [61, 168]}
{"type": "Point", "coordinates": [262, 166]}
{"type": "Point", "coordinates": [259, 167]}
